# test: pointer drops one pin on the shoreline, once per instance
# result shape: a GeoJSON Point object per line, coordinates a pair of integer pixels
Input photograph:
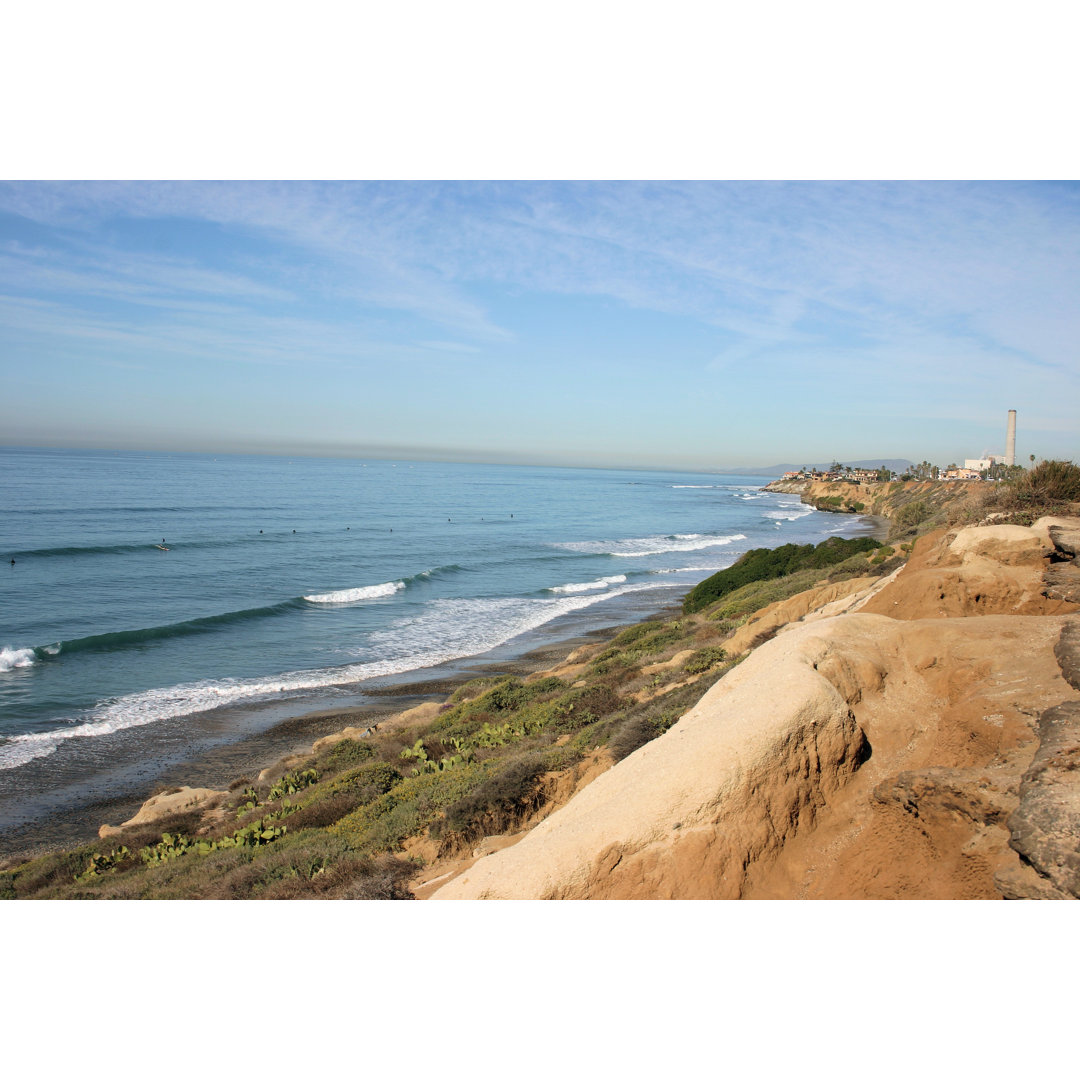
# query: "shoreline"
{"type": "Point", "coordinates": [222, 765]}
{"type": "Point", "coordinates": [879, 526]}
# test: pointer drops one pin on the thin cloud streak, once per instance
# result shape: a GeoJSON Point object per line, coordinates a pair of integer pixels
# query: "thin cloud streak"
{"type": "Point", "coordinates": [904, 290]}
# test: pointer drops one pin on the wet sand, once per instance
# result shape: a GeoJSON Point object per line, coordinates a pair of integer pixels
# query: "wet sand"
{"type": "Point", "coordinates": [877, 527]}
{"type": "Point", "coordinates": [248, 755]}
{"type": "Point", "coordinates": [223, 765]}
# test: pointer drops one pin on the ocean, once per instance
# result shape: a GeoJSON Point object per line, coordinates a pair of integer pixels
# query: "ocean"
{"type": "Point", "coordinates": [153, 605]}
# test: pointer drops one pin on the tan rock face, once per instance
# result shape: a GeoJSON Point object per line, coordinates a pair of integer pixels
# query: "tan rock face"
{"type": "Point", "coordinates": [660, 823]}
{"type": "Point", "coordinates": [995, 570]}
{"type": "Point", "coordinates": [162, 806]}
{"type": "Point", "coordinates": [871, 754]}
{"type": "Point", "coordinates": [829, 599]}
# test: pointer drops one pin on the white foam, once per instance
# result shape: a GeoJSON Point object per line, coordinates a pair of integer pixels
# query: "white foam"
{"type": "Point", "coordinates": [710, 486]}
{"type": "Point", "coordinates": [15, 658]}
{"type": "Point", "coordinates": [650, 545]}
{"type": "Point", "coordinates": [586, 586]}
{"type": "Point", "coordinates": [350, 596]}
{"type": "Point", "coordinates": [453, 628]}
{"type": "Point", "coordinates": [789, 514]}
{"type": "Point", "coordinates": [691, 569]}
{"type": "Point", "coordinates": [448, 630]}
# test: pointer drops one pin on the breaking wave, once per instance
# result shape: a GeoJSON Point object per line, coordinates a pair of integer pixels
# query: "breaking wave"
{"type": "Point", "coordinates": [449, 629]}
{"type": "Point", "coordinates": [16, 658]}
{"type": "Point", "coordinates": [788, 513]}
{"type": "Point", "coordinates": [119, 639]}
{"type": "Point", "coordinates": [350, 596]}
{"type": "Point", "coordinates": [586, 586]}
{"type": "Point", "coordinates": [635, 548]}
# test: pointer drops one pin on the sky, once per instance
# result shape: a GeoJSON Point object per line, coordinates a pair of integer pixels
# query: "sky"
{"type": "Point", "coordinates": [662, 324]}
{"type": "Point", "coordinates": [714, 323]}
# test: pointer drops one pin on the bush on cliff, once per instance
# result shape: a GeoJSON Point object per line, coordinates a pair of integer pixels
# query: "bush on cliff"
{"type": "Point", "coordinates": [764, 564]}
{"type": "Point", "coordinates": [911, 515]}
{"type": "Point", "coordinates": [497, 804]}
{"type": "Point", "coordinates": [1050, 483]}
{"type": "Point", "coordinates": [1051, 487]}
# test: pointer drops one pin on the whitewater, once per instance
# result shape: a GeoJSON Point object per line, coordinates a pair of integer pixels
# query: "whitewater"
{"type": "Point", "coordinates": [154, 601]}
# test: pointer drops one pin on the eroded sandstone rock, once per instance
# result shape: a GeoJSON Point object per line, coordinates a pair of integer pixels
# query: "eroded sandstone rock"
{"type": "Point", "coordinates": [1045, 827]}
{"type": "Point", "coordinates": [162, 806]}
{"type": "Point", "coordinates": [947, 677]}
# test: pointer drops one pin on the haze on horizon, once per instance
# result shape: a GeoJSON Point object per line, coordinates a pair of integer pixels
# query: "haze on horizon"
{"type": "Point", "coordinates": [689, 325]}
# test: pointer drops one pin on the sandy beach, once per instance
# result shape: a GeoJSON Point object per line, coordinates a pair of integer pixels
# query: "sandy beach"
{"type": "Point", "coordinates": [224, 765]}
{"type": "Point", "coordinates": [244, 753]}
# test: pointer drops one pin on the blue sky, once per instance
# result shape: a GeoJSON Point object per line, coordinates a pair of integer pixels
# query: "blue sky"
{"type": "Point", "coordinates": [694, 324]}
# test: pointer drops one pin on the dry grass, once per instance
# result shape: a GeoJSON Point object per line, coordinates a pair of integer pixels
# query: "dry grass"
{"type": "Point", "coordinates": [1050, 488]}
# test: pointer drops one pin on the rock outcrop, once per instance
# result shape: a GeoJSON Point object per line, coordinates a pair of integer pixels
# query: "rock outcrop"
{"type": "Point", "coordinates": [166, 805]}
{"type": "Point", "coordinates": [920, 744]}
{"type": "Point", "coordinates": [887, 499]}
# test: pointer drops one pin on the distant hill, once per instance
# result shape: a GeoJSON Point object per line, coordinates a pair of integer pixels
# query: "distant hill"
{"type": "Point", "coordinates": [897, 465]}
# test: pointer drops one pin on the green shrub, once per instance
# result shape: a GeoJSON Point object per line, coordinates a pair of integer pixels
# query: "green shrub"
{"type": "Point", "coordinates": [1050, 485]}
{"type": "Point", "coordinates": [409, 807]}
{"type": "Point", "coordinates": [498, 803]}
{"type": "Point", "coordinates": [325, 811]}
{"type": "Point", "coordinates": [367, 782]}
{"type": "Point", "coordinates": [704, 659]}
{"type": "Point", "coordinates": [634, 643]}
{"type": "Point", "coordinates": [915, 513]}
{"type": "Point", "coordinates": [633, 634]}
{"type": "Point", "coordinates": [633, 733]}
{"type": "Point", "coordinates": [763, 564]}
{"type": "Point", "coordinates": [293, 782]}
{"type": "Point", "coordinates": [582, 707]}
{"type": "Point", "coordinates": [505, 696]}
{"type": "Point", "coordinates": [347, 754]}
{"type": "Point", "coordinates": [1055, 481]}
{"type": "Point", "coordinates": [472, 689]}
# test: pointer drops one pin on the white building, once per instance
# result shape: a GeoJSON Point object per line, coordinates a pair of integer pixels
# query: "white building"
{"type": "Point", "coordinates": [978, 464]}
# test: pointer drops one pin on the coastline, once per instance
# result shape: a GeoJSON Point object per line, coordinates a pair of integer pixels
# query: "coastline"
{"type": "Point", "coordinates": [223, 764]}
{"type": "Point", "coordinates": [878, 527]}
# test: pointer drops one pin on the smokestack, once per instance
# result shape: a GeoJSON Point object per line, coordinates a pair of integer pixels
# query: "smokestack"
{"type": "Point", "coordinates": [1010, 439]}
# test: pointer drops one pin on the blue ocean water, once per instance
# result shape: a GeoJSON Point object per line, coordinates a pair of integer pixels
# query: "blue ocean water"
{"type": "Point", "coordinates": [290, 583]}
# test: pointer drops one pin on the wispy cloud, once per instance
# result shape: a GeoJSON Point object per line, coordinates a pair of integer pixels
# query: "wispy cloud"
{"type": "Point", "coordinates": [949, 295]}
{"type": "Point", "coordinates": [449, 346]}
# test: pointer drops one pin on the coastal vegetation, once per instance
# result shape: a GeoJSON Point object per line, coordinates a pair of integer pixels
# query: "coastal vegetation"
{"type": "Point", "coordinates": [918, 501]}
{"type": "Point", "coordinates": [359, 817]}
{"type": "Point", "coordinates": [763, 564]}
{"type": "Point", "coordinates": [1050, 487]}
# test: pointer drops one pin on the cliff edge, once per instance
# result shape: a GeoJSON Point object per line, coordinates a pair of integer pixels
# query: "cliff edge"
{"type": "Point", "coordinates": [922, 743]}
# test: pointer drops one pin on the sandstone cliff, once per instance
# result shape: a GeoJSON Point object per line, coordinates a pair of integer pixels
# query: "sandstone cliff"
{"type": "Point", "coordinates": [879, 499]}
{"type": "Point", "coordinates": [917, 738]}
